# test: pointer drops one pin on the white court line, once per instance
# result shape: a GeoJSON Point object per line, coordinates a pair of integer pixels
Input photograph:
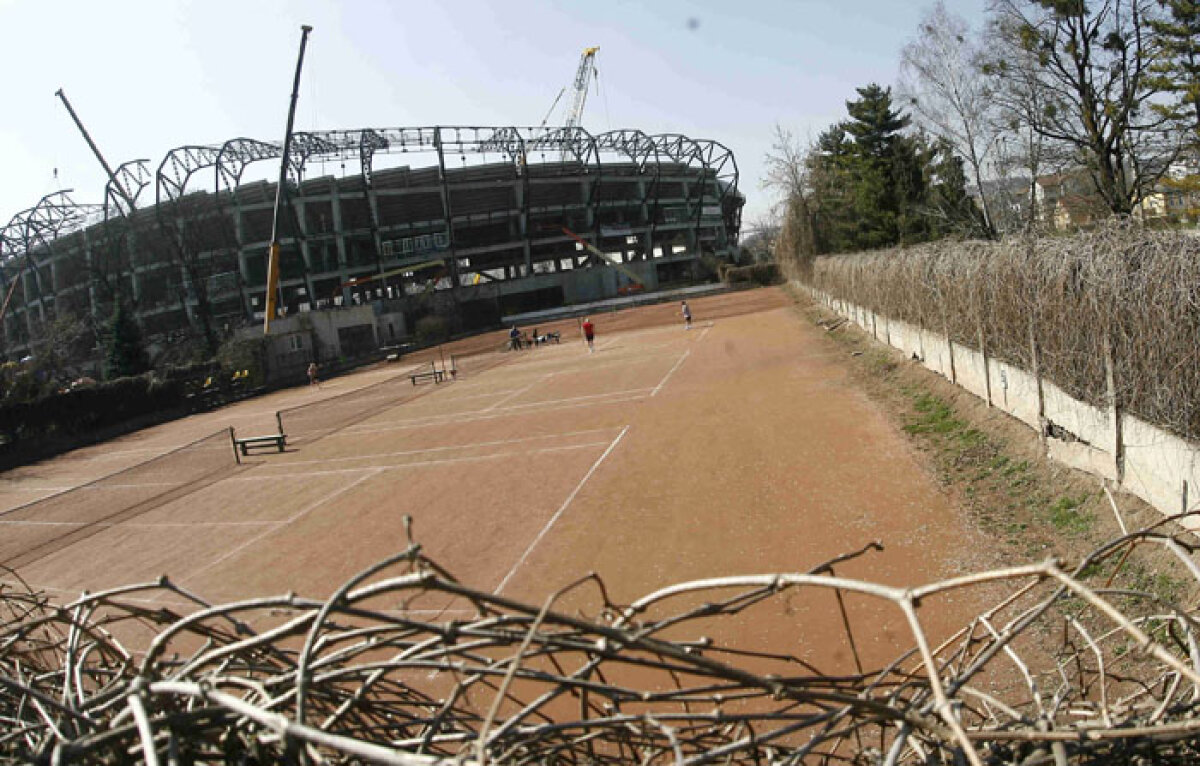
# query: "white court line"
{"type": "Point", "coordinates": [98, 484]}
{"type": "Point", "coordinates": [587, 361]}
{"type": "Point", "coordinates": [279, 525]}
{"type": "Point", "coordinates": [706, 329]}
{"type": "Point", "coordinates": [416, 464]}
{"type": "Point", "coordinates": [458, 417]}
{"type": "Point", "coordinates": [588, 367]}
{"type": "Point", "coordinates": [139, 524]}
{"type": "Point", "coordinates": [77, 593]}
{"type": "Point", "coordinates": [448, 448]}
{"type": "Point", "coordinates": [548, 407]}
{"type": "Point", "coordinates": [561, 509]}
{"type": "Point", "coordinates": [671, 372]}
{"type": "Point", "coordinates": [519, 391]}
{"type": "Point", "coordinates": [446, 399]}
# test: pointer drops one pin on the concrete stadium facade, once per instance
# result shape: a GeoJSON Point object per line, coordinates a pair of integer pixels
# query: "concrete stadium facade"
{"type": "Point", "coordinates": [479, 223]}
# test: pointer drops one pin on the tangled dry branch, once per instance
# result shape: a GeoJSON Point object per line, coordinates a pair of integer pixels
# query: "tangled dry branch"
{"type": "Point", "coordinates": [1136, 290]}
{"type": "Point", "coordinates": [1060, 667]}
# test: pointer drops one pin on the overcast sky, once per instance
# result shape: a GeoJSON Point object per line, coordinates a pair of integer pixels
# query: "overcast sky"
{"type": "Point", "coordinates": [148, 76]}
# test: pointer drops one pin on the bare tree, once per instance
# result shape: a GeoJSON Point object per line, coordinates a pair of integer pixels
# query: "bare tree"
{"type": "Point", "coordinates": [942, 80]}
{"type": "Point", "coordinates": [788, 173]}
{"type": "Point", "coordinates": [1089, 66]}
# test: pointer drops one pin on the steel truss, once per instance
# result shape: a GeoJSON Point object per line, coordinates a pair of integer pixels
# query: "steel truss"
{"type": "Point", "coordinates": [556, 149]}
{"type": "Point", "coordinates": [55, 215]}
{"type": "Point", "coordinates": [648, 152]}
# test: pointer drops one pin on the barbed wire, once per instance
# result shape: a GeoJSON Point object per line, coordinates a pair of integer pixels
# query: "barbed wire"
{"type": "Point", "coordinates": [404, 664]}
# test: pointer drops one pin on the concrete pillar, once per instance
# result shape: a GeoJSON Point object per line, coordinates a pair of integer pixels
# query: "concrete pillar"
{"type": "Point", "coordinates": [305, 254]}
{"type": "Point", "coordinates": [339, 239]}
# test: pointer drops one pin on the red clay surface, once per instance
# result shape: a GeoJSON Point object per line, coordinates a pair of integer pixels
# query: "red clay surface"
{"type": "Point", "coordinates": [738, 447]}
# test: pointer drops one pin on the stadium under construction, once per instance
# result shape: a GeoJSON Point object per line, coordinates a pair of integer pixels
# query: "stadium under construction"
{"type": "Point", "coordinates": [470, 223]}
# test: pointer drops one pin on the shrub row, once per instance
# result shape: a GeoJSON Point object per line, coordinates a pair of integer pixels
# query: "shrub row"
{"type": "Point", "coordinates": [89, 408]}
{"type": "Point", "coordinates": [1121, 290]}
{"type": "Point", "coordinates": [758, 273]}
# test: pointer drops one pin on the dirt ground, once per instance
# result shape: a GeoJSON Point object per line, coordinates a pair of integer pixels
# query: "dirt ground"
{"type": "Point", "coordinates": [743, 446]}
{"type": "Point", "coordinates": [994, 468]}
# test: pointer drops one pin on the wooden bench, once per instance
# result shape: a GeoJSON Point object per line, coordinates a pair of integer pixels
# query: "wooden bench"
{"type": "Point", "coordinates": [252, 442]}
{"type": "Point", "coordinates": [435, 375]}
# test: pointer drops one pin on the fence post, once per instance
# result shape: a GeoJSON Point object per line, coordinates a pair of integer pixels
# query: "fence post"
{"type": "Point", "coordinates": [233, 443]}
{"type": "Point", "coordinates": [1037, 376]}
{"type": "Point", "coordinates": [949, 345]}
{"type": "Point", "coordinates": [987, 366]}
{"type": "Point", "coordinates": [1114, 409]}
{"type": "Point", "coordinates": [921, 337]}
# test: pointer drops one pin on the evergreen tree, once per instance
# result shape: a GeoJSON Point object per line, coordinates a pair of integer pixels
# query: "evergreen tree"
{"type": "Point", "coordinates": [886, 171]}
{"type": "Point", "coordinates": [832, 178]}
{"type": "Point", "coordinates": [126, 353]}
{"type": "Point", "coordinates": [1177, 70]}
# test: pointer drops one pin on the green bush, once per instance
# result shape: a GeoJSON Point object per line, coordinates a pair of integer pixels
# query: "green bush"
{"type": "Point", "coordinates": [432, 329]}
{"type": "Point", "coordinates": [235, 355]}
{"type": "Point", "coordinates": [758, 273]}
{"type": "Point", "coordinates": [89, 408]}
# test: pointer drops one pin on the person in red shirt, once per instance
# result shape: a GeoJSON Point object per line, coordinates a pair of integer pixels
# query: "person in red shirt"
{"type": "Point", "coordinates": [589, 333]}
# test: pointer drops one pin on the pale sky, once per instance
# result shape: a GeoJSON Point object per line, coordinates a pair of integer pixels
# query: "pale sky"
{"type": "Point", "coordinates": [147, 76]}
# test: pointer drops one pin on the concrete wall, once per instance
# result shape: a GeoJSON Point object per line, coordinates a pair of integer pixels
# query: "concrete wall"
{"type": "Point", "coordinates": [298, 339]}
{"type": "Point", "coordinates": [1147, 461]}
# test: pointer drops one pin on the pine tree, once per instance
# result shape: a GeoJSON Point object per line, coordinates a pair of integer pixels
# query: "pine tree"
{"type": "Point", "coordinates": [887, 178]}
{"type": "Point", "coordinates": [1177, 70]}
{"type": "Point", "coordinates": [126, 353]}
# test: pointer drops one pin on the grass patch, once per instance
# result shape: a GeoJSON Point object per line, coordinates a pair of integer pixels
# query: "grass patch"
{"type": "Point", "coordinates": [935, 416]}
{"type": "Point", "coordinates": [1066, 515]}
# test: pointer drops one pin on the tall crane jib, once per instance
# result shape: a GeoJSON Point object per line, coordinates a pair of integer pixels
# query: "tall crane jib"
{"type": "Point", "coordinates": [583, 76]}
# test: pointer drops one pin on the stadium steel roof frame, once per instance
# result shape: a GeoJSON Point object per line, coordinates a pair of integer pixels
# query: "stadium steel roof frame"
{"type": "Point", "coordinates": [55, 215]}
{"type": "Point", "coordinates": [230, 160]}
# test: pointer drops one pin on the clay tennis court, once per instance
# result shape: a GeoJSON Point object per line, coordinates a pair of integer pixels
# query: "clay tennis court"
{"type": "Point", "coordinates": [736, 447]}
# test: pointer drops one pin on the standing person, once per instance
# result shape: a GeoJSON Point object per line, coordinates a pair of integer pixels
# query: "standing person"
{"type": "Point", "coordinates": [312, 374]}
{"type": "Point", "coordinates": [514, 338]}
{"type": "Point", "coordinates": [687, 316]}
{"type": "Point", "coordinates": [589, 334]}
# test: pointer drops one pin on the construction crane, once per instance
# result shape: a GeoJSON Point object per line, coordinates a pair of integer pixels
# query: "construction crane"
{"type": "Point", "coordinates": [583, 76]}
{"type": "Point", "coordinates": [604, 258]}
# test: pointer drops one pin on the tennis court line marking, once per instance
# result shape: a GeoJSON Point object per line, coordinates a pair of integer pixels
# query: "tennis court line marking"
{"type": "Point", "coordinates": [585, 364]}
{"type": "Point", "coordinates": [561, 509]}
{"type": "Point", "coordinates": [547, 406]}
{"type": "Point", "coordinates": [484, 414]}
{"type": "Point", "coordinates": [581, 360]}
{"type": "Point", "coordinates": [139, 525]}
{"type": "Point", "coordinates": [520, 391]}
{"type": "Point", "coordinates": [415, 464]}
{"type": "Point", "coordinates": [488, 395]}
{"type": "Point", "coordinates": [279, 525]}
{"type": "Point", "coordinates": [192, 605]}
{"type": "Point", "coordinates": [449, 448]}
{"type": "Point", "coordinates": [706, 329]}
{"type": "Point", "coordinates": [670, 372]}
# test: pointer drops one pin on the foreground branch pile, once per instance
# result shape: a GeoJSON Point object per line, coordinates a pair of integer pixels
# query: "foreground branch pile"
{"type": "Point", "coordinates": [405, 665]}
{"type": "Point", "coordinates": [1135, 291]}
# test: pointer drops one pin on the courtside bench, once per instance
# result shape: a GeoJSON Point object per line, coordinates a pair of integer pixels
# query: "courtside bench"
{"type": "Point", "coordinates": [243, 445]}
{"type": "Point", "coordinates": [266, 441]}
{"type": "Point", "coordinates": [437, 376]}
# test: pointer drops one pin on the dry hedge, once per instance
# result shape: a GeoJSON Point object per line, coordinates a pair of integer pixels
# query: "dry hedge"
{"type": "Point", "coordinates": [1134, 290]}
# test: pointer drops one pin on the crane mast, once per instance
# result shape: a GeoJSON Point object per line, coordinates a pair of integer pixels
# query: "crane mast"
{"type": "Point", "coordinates": [585, 72]}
